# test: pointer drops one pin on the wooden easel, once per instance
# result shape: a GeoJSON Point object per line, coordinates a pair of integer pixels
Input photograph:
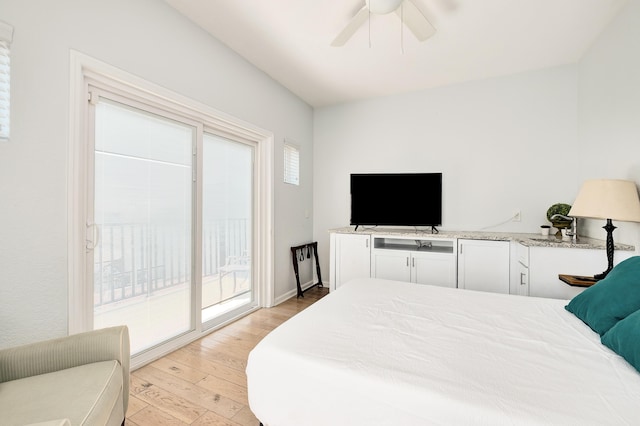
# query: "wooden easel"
{"type": "Point", "coordinates": [294, 257]}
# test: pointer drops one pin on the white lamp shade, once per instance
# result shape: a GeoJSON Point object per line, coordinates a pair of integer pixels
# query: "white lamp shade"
{"type": "Point", "coordinates": [607, 199]}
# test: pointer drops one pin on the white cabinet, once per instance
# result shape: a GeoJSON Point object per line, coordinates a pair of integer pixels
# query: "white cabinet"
{"type": "Point", "coordinates": [483, 265]}
{"type": "Point", "coordinates": [391, 265]}
{"type": "Point", "coordinates": [545, 263]}
{"type": "Point", "coordinates": [434, 269]}
{"type": "Point", "coordinates": [418, 261]}
{"type": "Point", "coordinates": [475, 264]}
{"type": "Point", "coordinates": [350, 257]}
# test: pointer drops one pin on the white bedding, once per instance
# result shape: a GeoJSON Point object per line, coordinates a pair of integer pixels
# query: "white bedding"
{"type": "Point", "coordinates": [379, 352]}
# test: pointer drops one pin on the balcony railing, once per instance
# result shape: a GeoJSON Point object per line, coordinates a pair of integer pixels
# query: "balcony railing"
{"type": "Point", "coordinates": [134, 260]}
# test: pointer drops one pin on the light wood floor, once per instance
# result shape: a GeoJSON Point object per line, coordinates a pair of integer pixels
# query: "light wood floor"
{"type": "Point", "coordinates": [204, 383]}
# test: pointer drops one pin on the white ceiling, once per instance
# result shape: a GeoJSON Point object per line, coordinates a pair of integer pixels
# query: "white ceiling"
{"type": "Point", "coordinates": [475, 39]}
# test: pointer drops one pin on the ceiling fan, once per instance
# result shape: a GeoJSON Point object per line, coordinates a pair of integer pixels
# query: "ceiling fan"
{"type": "Point", "coordinates": [405, 9]}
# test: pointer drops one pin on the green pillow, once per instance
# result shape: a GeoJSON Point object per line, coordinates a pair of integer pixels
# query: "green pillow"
{"type": "Point", "coordinates": [610, 300]}
{"type": "Point", "coordinates": [624, 339]}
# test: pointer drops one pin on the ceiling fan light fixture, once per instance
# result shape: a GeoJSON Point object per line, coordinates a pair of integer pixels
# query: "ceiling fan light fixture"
{"type": "Point", "coordinates": [382, 7]}
{"type": "Point", "coordinates": [410, 16]}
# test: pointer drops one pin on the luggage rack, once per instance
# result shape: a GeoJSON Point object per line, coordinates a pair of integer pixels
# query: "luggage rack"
{"type": "Point", "coordinates": [299, 252]}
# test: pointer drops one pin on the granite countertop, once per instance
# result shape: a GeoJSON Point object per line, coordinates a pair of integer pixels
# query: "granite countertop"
{"type": "Point", "coordinates": [529, 240]}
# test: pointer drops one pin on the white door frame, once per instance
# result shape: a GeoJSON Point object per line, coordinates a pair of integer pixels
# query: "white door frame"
{"type": "Point", "coordinates": [83, 67]}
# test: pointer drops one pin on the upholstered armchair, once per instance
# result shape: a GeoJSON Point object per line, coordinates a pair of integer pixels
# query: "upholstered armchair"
{"type": "Point", "coordinates": [81, 379]}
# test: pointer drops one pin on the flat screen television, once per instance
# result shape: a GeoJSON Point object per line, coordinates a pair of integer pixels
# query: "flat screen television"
{"type": "Point", "coordinates": [401, 199]}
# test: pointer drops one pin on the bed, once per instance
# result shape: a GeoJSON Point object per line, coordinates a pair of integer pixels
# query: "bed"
{"type": "Point", "coordinates": [377, 352]}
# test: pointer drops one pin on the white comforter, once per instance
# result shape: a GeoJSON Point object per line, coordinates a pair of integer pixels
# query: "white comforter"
{"type": "Point", "coordinates": [378, 352]}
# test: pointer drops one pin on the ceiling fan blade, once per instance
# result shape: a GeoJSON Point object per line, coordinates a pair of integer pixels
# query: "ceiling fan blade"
{"type": "Point", "coordinates": [353, 25]}
{"type": "Point", "coordinates": [415, 20]}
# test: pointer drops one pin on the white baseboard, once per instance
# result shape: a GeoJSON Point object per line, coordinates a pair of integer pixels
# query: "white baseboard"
{"type": "Point", "coordinates": [293, 293]}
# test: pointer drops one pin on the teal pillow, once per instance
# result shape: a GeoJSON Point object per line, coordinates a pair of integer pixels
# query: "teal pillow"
{"type": "Point", "coordinates": [624, 339]}
{"type": "Point", "coordinates": [610, 300]}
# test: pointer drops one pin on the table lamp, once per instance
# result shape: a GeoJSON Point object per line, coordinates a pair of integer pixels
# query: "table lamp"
{"type": "Point", "coordinates": [609, 199]}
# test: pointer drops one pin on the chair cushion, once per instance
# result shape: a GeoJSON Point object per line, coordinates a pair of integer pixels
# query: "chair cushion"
{"type": "Point", "coordinates": [90, 394]}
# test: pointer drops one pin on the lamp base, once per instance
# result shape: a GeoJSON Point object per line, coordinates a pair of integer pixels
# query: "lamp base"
{"type": "Point", "coordinates": [609, 228]}
{"type": "Point", "coordinates": [602, 275]}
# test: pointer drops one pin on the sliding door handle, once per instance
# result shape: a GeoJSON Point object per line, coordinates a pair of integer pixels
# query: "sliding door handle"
{"type": "Point", "coordinates": [92, 243]}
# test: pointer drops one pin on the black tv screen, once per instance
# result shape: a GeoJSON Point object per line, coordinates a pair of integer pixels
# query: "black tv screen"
{"type": "Point", "coordinates": [402, 199]}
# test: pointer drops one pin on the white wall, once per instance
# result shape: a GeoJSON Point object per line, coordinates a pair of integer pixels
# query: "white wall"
{"type": "Point", "coordinates": [609, 111]}
{"type": "Point", "coordinates": [524, 141]}
{"type": "Point", "coordinates": [146, 38]}
{"type": "Point", "coordinates": [502, 144]}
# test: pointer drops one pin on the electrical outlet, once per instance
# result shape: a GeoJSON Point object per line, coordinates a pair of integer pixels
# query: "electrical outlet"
{"type": "Point", "coordinates": [516, 216]}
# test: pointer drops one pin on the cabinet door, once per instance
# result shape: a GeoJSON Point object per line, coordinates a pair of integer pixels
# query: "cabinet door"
{"type": "Point", "coordinates": [545, 263]}
{"type": "Point", "coordinates": [391, 265]}
{"type": "Point", "coordinates": [352, 258]}
{"type": "Point", "coordinates": [434, 269]}
{"type": "Point", "coordinates": [483, 265]}
{"type": "Point", "coordinates": [522, 285]}
{"type": "Point", "coordinates": [519, 269]}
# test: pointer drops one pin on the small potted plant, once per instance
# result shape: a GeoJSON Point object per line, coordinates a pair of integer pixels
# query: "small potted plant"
{"type": "Point", "coordinates": [559, 223]}
{"type": "Point", "coordinates": [544, 230]}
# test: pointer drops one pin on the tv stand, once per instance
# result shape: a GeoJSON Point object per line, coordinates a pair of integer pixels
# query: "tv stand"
{"type": "Point", "coordinates": [422, 260]}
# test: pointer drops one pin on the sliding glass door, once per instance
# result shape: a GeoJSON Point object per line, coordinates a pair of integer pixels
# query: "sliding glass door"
{"type": "Point", "coordinates": [170, 212]}
{"type": "Point", "coordinates": [143, 221]}
{"type": "Point", "coordinates": [164, 193]}
{"type": "Point", "coordinates": [227, 225]}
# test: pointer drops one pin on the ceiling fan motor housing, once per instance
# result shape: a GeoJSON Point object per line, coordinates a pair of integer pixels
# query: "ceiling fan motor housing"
{"type": "Point", "coordinates": [410, 16]}
{"type": "Point", "coordinates": [382, 7]}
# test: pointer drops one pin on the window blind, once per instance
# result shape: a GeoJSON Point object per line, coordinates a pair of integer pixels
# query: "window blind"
{"type": "Point", "coordinates": [291, 164]}
{"type": "Point", "coordinates": [6, 36]}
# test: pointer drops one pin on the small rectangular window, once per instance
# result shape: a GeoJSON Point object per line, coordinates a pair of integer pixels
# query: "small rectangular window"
{"type": "Point", "coordinates": [6, 36]}
{"type": "Point", "coordinates": [291, 164]}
